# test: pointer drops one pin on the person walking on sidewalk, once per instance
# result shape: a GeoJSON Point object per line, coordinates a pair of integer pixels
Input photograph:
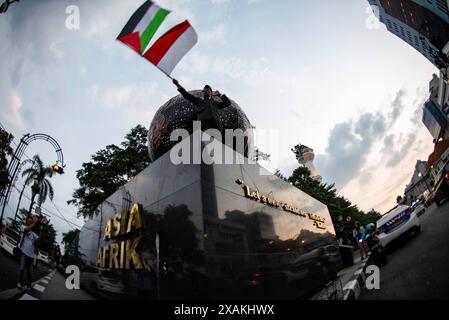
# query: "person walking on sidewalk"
{"type": "Point", "coordinates": [26, 247]}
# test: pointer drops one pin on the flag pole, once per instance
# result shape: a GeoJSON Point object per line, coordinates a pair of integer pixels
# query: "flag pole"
{"type": "Point", "coordinates": [163, 72]}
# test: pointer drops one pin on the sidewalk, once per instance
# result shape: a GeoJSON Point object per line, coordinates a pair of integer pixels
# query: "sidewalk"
{"type": "Point", "coordinates": [344, 282]}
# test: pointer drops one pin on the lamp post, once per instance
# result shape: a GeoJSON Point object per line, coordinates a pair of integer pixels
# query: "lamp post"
{"type": "Point", "coordinates": [15, 163]}
{"type": "Point", "coordinates": [5, 5]}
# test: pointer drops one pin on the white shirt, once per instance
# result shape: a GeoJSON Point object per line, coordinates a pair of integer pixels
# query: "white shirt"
{"type": "Point", "coordinates": [28, 243]}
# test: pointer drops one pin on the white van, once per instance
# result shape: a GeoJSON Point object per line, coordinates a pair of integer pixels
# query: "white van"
{"type": "Point", "coordinates": [9, 239]}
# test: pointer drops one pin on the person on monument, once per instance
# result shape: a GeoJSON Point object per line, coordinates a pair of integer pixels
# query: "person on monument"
{"type": "Point", "coordinates": [207, 106]}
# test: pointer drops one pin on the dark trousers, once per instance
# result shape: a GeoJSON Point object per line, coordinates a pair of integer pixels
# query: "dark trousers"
{"type": "Point", "coordinates": [25, 269]}
{"type": "Point", "coordinates": [209, 124]}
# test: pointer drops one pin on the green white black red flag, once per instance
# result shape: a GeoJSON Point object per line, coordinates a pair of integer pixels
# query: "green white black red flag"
{"type": "Point", "coordinates": [169, 49]}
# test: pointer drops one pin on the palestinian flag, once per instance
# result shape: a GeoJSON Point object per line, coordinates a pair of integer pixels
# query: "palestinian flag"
{"type": "Point", "coordinates": [142, 26]}
{"type": "Point", "coordinates": [170, 48]}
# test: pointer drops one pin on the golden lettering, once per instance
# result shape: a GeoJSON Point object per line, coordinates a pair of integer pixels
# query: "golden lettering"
{"type": "Point", "coordinates": [113, 253]}
{"type": "Point", "coordinates": [132, 255]}
{"type": "Point", "coordinates": [115, 232]}
{"type": "Point", "coordinates": [135, 220]}
{"type": "Point", "coordinates": [247, 191]}
{"type": "Point", "coordinates": [107, 230]}
{"type": "Point", "coordinates": [123, 222]}
{"type": "Point", "coordinates": [104, 256]}
{"type": "Point", "coordinates": [255, 195]}
{"type": "Point", "coordinates": [100, 258]}
{"type": "Point", "coordinates": [122, 254]}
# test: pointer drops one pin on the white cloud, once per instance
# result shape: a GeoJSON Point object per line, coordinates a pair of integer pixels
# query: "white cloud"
{"type": "Point", "coordinates": [390, 162]}
{"type": "Point", "coordinates": [218, 1]}
{"type": "Point", "coordinates": [136, 103]}
{"type": "Point", "coordinates": [55, 50]}
{"type": "Point", "coordinates": [216, 36]}
{"type": "Point", "coordinates": [12, 112]}
{"type": "Point", "coordinates": [249, 71]}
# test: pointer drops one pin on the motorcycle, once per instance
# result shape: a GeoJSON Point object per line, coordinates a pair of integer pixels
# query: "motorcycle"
{"type": "Point", "coordinates": [378, 252]}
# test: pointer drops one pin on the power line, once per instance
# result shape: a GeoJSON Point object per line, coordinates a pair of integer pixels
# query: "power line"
{"type": "Point", "coordinates": [70, 224]}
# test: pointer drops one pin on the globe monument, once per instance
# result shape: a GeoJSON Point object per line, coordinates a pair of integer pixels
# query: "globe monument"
{"type": "Point", "coordinates": [208, 231]}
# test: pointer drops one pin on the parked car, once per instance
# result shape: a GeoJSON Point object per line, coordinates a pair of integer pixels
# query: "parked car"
{"type": "Point", "coordinates": [441, 193]}
{"type": "Point", "coordinates": [43, 257]}
{"type": "Point", "coordinates": [98, 280]}
{"type": "Point", "coordinates": [9, 239]}
{"type": "Point", "coordinates": [396, 222]}
{"type": "Point", "coordinates": [419, 208]}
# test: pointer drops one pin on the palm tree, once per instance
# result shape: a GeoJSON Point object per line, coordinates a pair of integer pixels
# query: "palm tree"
{"type": "Point", "coordinates": [37, 174]}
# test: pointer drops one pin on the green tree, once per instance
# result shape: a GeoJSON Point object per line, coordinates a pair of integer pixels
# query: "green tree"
{"type": "Point", "coordinates": [68, 240]}
{"type": "Point", "coordinates": [37, 174]}
{"type": "Point", "coordinates": [109, 169]}
{"type": "Point", "coordinates": [338, 206]}
{"type": "Point", "coordinates": [5, 150]}
{"type": "Point", "coordinates": [47, 238]}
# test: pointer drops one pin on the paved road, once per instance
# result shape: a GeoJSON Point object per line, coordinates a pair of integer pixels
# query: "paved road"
{"type": "Point", "coordinates": [56, 290]}
{"type": "Point", "coordinates": [8, 271]}
{"type": "Point", "coordinates": [418, 267]}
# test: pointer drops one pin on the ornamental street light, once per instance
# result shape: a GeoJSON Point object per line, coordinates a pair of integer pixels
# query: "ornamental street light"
{"type": "Point", "coordinates": [5, 5]}
{"type": "Point", "coordinates": [16, 161]}
{"type": "Point", "coordinates": [58, 169]}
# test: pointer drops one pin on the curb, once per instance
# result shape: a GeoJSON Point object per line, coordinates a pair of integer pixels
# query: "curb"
{"type": "Point", "coordinates": [355, 285]}
{"type": "Point", "coordinates": [12, 294]}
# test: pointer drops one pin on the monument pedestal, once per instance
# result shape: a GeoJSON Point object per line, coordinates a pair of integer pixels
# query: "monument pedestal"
{"type": "Point", "coordinates": [218, 231]}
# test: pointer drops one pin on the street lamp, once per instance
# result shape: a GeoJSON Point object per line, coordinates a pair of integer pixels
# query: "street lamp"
{"type": "Point", "coordinates": [14, 164]}
{"type": "Point", "coordinates": [5, 5]}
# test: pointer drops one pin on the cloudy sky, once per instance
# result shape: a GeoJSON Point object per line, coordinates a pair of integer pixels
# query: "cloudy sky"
{"type": "Point", "coordinates": [322, 73]}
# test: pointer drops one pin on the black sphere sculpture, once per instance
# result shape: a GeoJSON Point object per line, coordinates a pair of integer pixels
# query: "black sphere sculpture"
{"type": "Point", "coordinates": [179, 113]}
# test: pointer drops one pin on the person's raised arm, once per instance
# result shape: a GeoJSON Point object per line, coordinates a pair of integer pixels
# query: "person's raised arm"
{"type": "Point", "coordinates": [185, 94]}
{"type": "Point", "coordinates": [225, 102]}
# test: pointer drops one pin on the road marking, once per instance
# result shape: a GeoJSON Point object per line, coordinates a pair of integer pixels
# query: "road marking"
{"type": "Point", "coordinates": [44, 281]}
{"type": "Point", "coordinates": [39, 288]}
{"type": "Point", "coordinates": [26, 296]}
{"type": "Point", "coordinates": [350, 285]}
{"type": "Point", "coordinates": [360, 271]}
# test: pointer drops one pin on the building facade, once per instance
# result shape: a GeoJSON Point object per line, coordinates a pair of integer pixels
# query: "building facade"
{"type": "Point", "coordinates": [438, 7]}
{"type": "Point", "coordinates": [438, 158]}
{"type": "Point", "coordinates": [420, 183]}
{"type": "Point", "coordinates": [423, 24]}
{"type": "Point", "coordinates": [436, 109]}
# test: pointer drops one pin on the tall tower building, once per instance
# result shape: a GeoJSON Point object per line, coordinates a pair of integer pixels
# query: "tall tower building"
{"type": "Point", "coordinates": [423, 24]}
{"type": "Point", "coordinates": [305, 157]}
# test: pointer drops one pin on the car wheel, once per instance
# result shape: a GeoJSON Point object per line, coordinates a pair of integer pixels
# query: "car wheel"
{"type": "Point", "coordinates": [417, 230]}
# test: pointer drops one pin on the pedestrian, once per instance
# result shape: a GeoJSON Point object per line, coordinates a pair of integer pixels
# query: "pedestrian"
{"type": "Point", "coordinates": [359, 236]}
{"type": "Point", "coordinates": [207, 106]}
{"type": "Point", "coordinates": [27, 255]}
